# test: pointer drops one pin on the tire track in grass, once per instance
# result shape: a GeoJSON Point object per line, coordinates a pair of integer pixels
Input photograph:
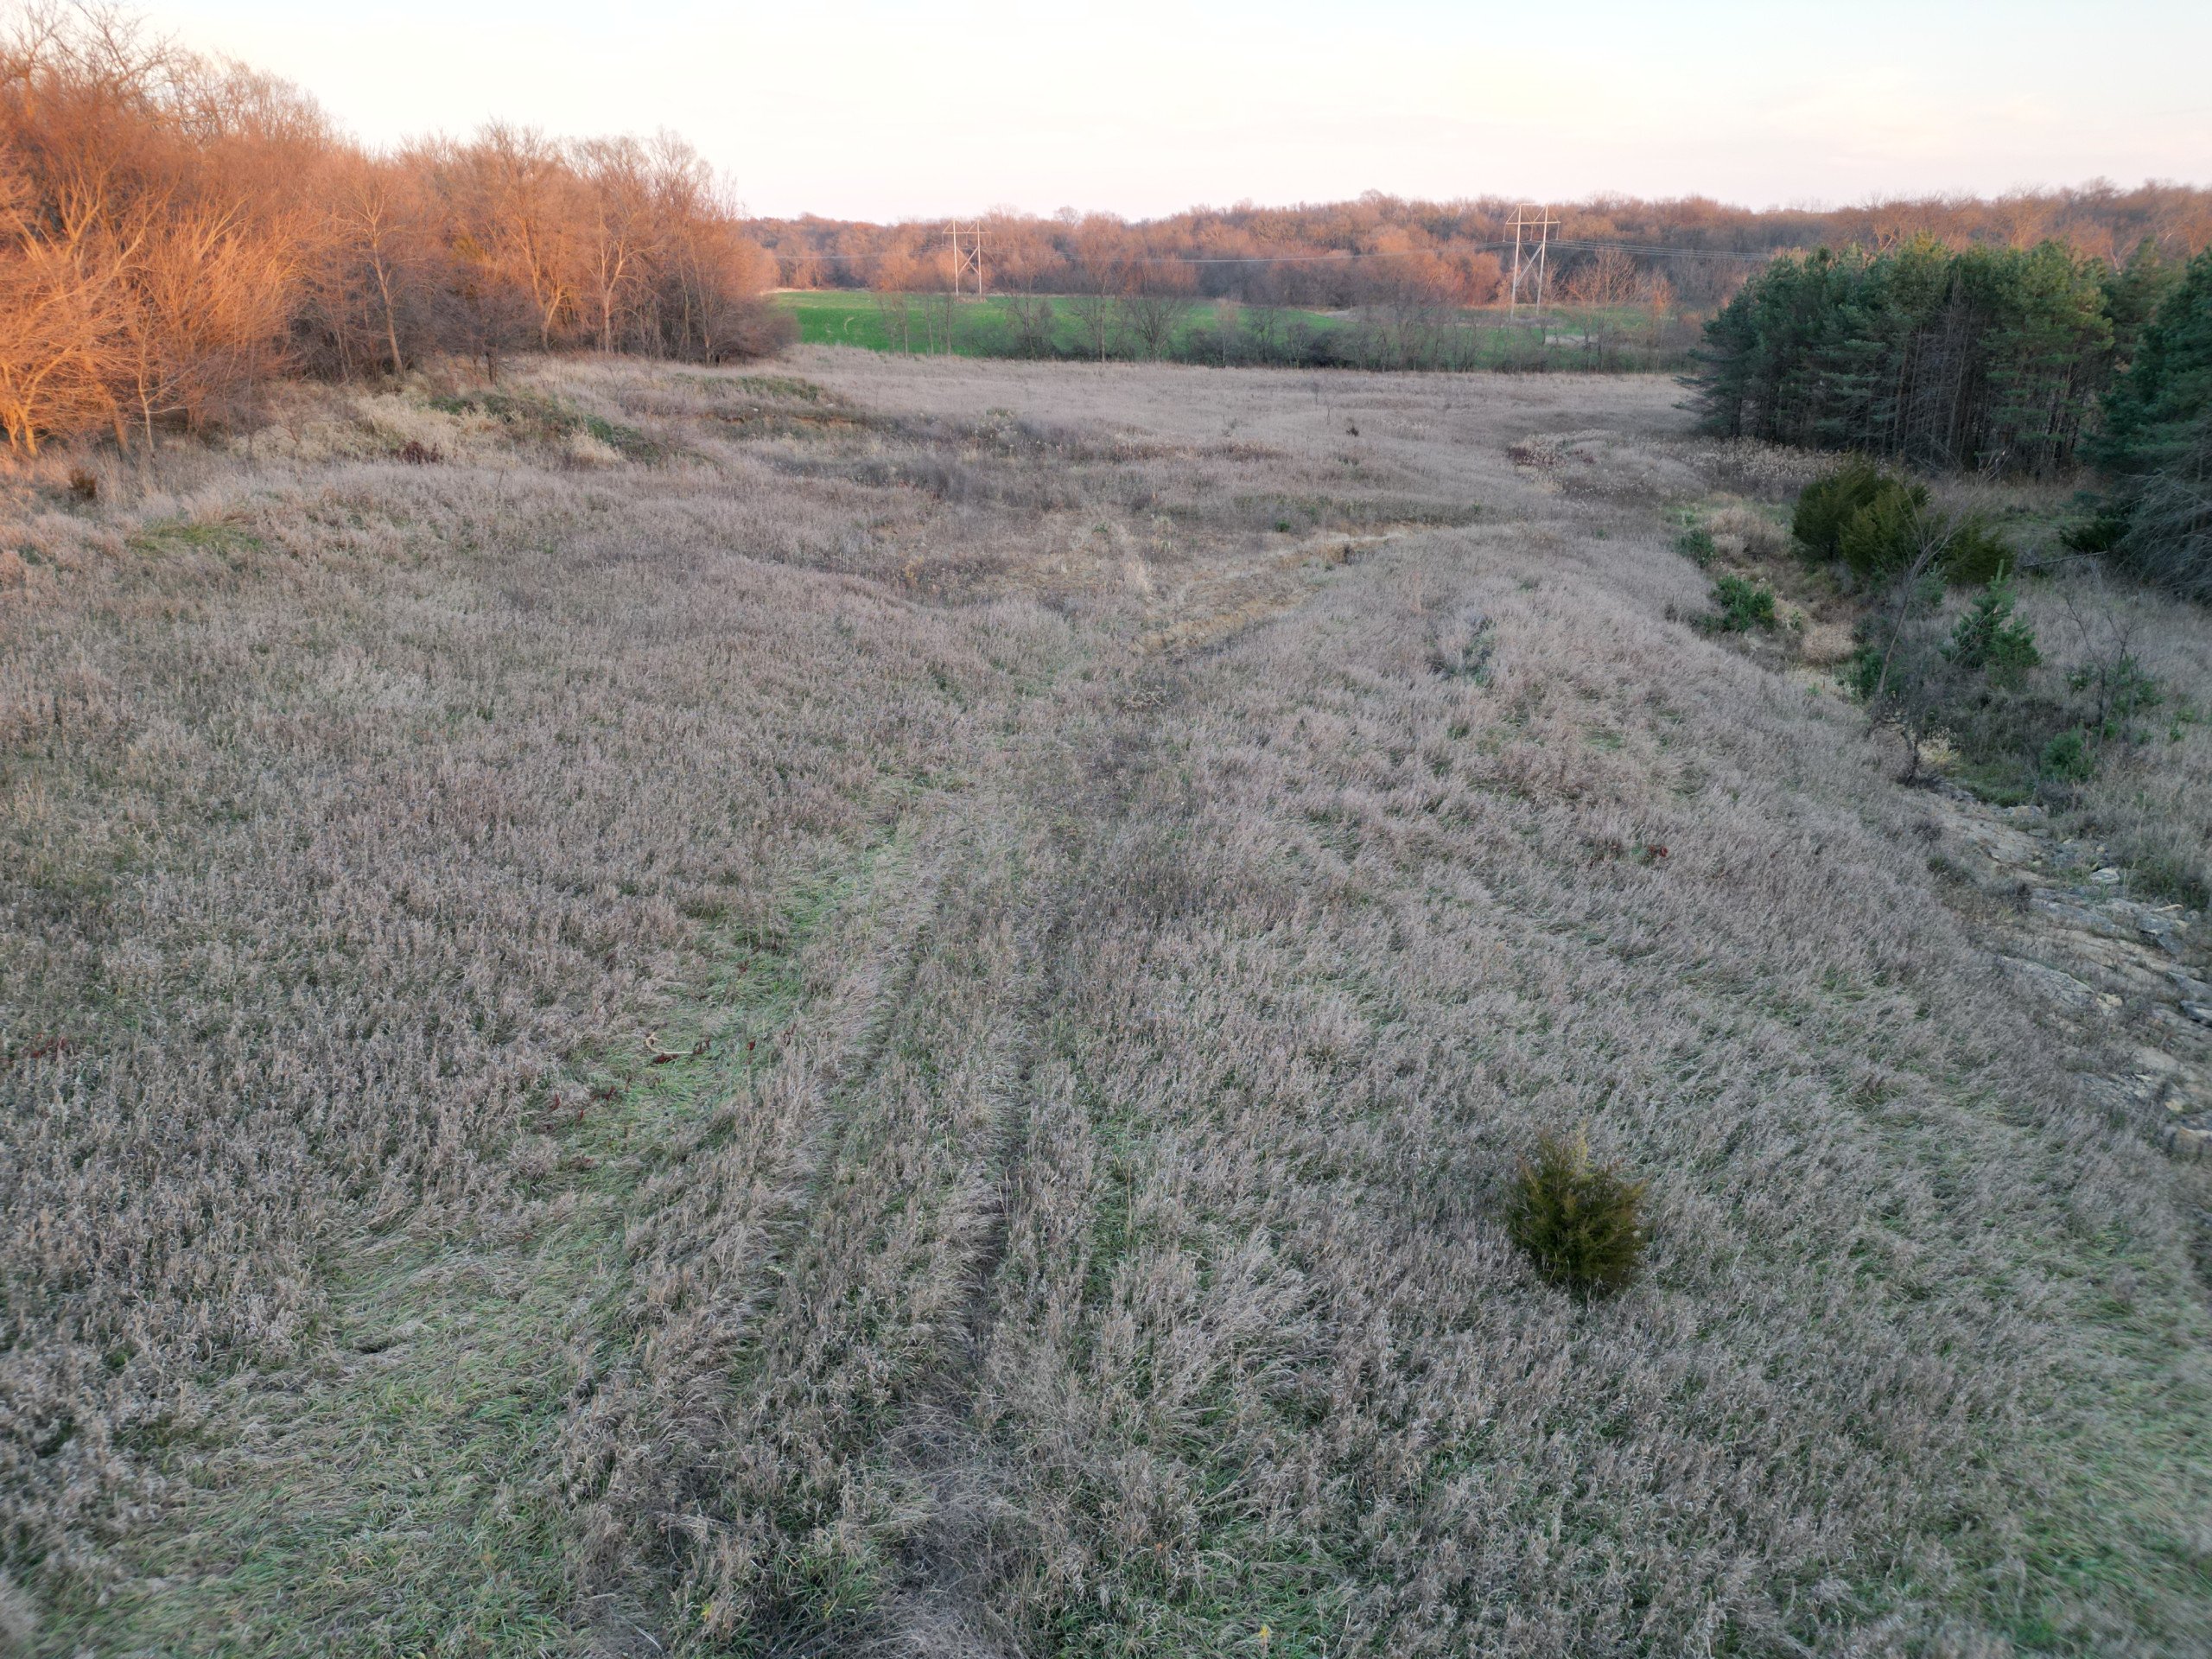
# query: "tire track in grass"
{"type": "Point", "coordinates": [410, 1498]}
{"type": "Point", "coordinates": [955, 1564]}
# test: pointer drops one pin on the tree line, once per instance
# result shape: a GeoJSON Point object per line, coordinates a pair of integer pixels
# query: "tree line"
{"type": "Point", "coordinates": [1689, 253]}
{"type": "Point", "coordinates": [2155, 444]}
{"type": "Point", "coordinates": [176, 232]}
{"type": "Point", "coordinates": [1984, 358]}
{"type": "Point", "coordinates": [2030, 361]}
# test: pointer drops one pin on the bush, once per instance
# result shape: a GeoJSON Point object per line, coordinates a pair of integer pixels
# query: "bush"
{"type": "Point", "coordinates": [1827, 505]}
{"type": "Point", "coordinates": [1892, 525]}
{"type": "Point", "coordinates": [1579, 1223]}
{"type": "Point", "coordinates": [2098, 535]}
{"type": "Point", "coordinates": [1695, 546]}
{"type": "Point", "coordinates": [2067, 758]}
{"type": "Point", "coordinates": [1885, 534]}
{"type": "Point", "coordinates": [1990, 639]}
{"type": "Point", "coordinates": [2119, 690]}
{"type": "Point", "coordinates": [1976, 555]}
{"type": "Point", "coordinates": [1740, 605]}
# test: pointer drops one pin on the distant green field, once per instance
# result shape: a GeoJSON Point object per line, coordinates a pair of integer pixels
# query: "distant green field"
{"type": "Point", "coordinates": [982, 328]}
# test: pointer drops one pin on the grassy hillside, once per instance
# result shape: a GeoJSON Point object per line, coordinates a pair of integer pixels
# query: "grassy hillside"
{"type": "Point", "coordinates": [887, 1007]}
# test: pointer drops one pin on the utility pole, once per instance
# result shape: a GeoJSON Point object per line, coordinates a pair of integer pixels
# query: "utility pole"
{"type": "Point", "coordinates": [1532, 233]}
{"type": "Point", "coordinates": [967, 255]}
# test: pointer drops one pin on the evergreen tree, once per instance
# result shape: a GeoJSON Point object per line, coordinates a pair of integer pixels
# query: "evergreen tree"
{"type": "Point", "coordinates": [1984, 358]}
{"type": "Point", "coordinates": [2154, 407]}
{"type": "Point", "coordinates": [2157, 440]}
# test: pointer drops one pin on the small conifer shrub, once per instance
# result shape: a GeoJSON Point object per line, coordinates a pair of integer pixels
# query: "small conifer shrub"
{"type": "Point", "coordinates": [1975, 554]}
{"type": "Point", "coordinates": [1884, 536]}
{"type": "Point", "coordinates": [1990, 639]}
{"type": "Point", "coordinates": [1825, 505]}
{"type": "Point", "coordinates": [1580, 1222]}
{"type": "Point", "coordinates": [1739, 605]}
{"type": "Point", "coordinates": [1696, 545]}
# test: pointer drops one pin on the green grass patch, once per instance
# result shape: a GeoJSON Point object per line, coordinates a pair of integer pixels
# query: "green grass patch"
{"type": "Point", "coordinates": [972, 326]}
{"type": "Point", "coordinates": [169, 535]}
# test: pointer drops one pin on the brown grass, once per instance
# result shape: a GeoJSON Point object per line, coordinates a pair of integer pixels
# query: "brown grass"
{"type": "Point", "coordinates": [1110, 951]}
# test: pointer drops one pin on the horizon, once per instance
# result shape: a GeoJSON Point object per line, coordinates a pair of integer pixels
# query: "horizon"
{"type": "Point", "coordinates": [968, 109]}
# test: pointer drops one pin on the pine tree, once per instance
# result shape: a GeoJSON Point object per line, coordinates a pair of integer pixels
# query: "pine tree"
{"type": "Point", "coordinates": [2167, 389]}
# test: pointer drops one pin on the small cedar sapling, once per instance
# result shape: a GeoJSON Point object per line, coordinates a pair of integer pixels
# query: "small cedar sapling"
{"type": "Point", "coordinates": [1580, 1222]}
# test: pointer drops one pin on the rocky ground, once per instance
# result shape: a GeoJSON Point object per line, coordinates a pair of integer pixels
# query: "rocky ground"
{"type": "Point", "coordinates": [2126, 976]}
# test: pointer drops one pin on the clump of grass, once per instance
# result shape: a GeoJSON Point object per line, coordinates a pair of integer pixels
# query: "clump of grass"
{"type": "Point", "coordinates": [542, 418]}
{"type": "Point", "coordinates": [1581, 1223]}
{"type": "Point", "coordinates": [1742, 531]}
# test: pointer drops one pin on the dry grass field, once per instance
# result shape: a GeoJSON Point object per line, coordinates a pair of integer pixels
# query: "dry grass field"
{"type": "Point", "coordinates": [884, 1008]}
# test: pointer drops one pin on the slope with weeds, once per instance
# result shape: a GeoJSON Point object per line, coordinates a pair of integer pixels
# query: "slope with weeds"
{"type": "Point", "coordinates": [911, 1032]}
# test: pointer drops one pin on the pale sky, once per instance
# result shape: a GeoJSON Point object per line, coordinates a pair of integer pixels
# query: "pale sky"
{"type": "Point", "coordinates": [887, 112]}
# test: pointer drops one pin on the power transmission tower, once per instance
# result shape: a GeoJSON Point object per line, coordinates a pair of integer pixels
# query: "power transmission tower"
{"type": "Point", "coordinates": [967, 255]}
{"type": "Point", "coordinates": [1532, 230]}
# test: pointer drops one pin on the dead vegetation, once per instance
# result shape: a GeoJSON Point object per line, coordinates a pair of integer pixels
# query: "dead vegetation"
{"type": "Point", "coordinates": [895, 1011]}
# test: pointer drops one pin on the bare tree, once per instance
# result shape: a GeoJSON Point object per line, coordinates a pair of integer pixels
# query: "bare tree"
{"type": "Point", "coordinates": [617, 232]}
{"type": "Point", "coordinates": [1030, 317]}
{"type": "Point", "coordinates": [1152, 313]}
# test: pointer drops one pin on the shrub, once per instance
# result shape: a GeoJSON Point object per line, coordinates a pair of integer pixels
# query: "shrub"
{"type": "Point", "coordinates": [2098, 535]}
{"type": "Point", "coordinates": [1887, 534]}
{"type": "Point", "coordinates": [1580, 1222]}
{"type": "Point", "coordinates": [1976, 555]}
{"type": "Point", "coordinates": [2067, 758]}
{"type": "Point", "coordinates": [1989, 638]}
{"type": "Point", "coordinates": [1827, 505]}
{"type": "Point", "coordinates": [1894, 525]}
{"type": "Point", "coordinates": [1740, 605]}
{"type": "Point", "coordinates": [2119, 689]}
{"type": "Point", "coordinates": [1862, 674]}
{"type": "Point", "coordinates": [1695, 544]}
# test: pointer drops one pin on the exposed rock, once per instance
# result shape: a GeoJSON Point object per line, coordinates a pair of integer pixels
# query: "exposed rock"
{"type": "Point", "coordinates": [2187, 1140]}
{"type": "Point", "coordinates": [1999, 842]}
{"type": "Point", "coordinates": [2190, 1036]}
{"type": "Point", "coordinates": [2061, 988]}
{"type": "Point", "coordinates": [2082, 918]}
{"type": "Point", "coordinates": [2085, 950]}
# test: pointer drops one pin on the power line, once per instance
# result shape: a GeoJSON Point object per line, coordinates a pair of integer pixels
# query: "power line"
{"type": "Point", "coordinates": [967, 254]}
{"type": "Point", "coordinates": [1529, 267]}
